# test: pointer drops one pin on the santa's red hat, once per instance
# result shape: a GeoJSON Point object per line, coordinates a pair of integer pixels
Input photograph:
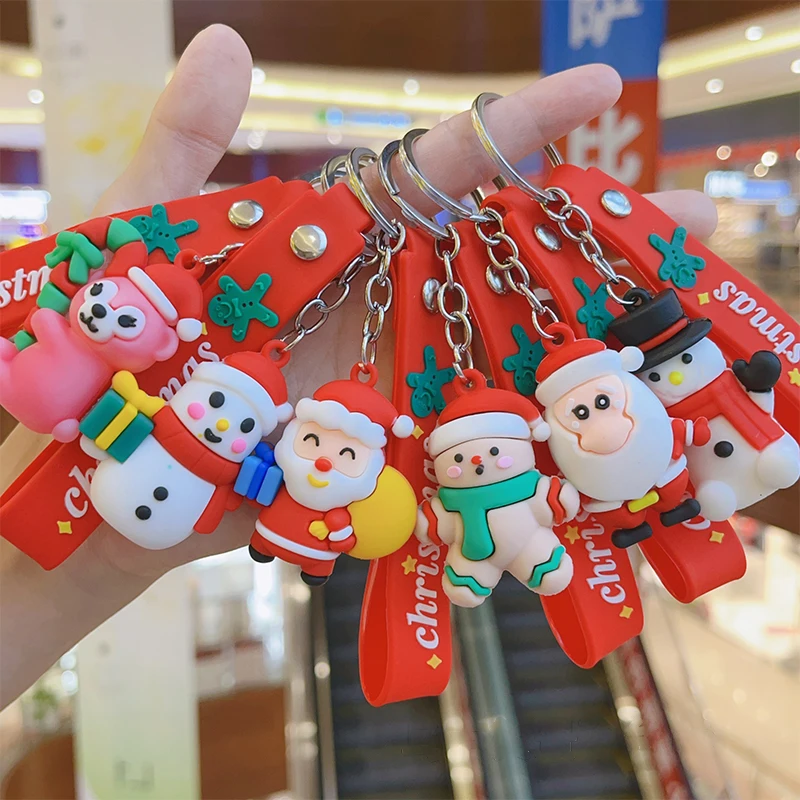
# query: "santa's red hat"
{"type": "Point", "coordinates": [480, 412]}
{"type": "Point", "coordinates": [572, 362]}
{"type": "Point", "coordinates": [175, 294]}
{"type": "Point", "coordinates": [255, 377]}
{"type": "Point", "coordinates": [357, 409]}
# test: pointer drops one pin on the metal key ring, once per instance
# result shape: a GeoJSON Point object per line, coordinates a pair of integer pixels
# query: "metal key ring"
{"type": "Point", "coordinates": [409, 162]}
{"type": "Point", "coordinates": [354, 161]}
{"type": "Point", "coordinates": [333, 169]}
{"type": "Point", "coordinates": [503, 164]}
{"type": "Point", "coordinates": [393, 190]}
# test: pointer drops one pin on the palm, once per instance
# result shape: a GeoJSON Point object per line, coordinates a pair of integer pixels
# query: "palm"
{"type": "Point", "coordinates": [189, 131]}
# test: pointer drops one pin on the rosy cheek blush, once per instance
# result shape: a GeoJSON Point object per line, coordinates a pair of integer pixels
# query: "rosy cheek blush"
{"type": "Point", "coordinates": [196, 410]}
{"type": "Point", "coordinates": [238, 445]}
{"type": "Point", "coordinates": [504, 462]}
{"type": "Point", "coordinates": [454, 472]}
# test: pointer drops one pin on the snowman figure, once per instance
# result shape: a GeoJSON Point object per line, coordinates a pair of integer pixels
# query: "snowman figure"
{"type": "Point", "coordinates": [749, 455]}
{"type": "Point", "coordinates": [180, 479]}
{"type": "Point", "coordinates": [493, 509]}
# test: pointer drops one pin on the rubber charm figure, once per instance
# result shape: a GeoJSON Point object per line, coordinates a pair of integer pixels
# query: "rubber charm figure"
{"type": "Point", "coordinates": [612, 438]}
{"type": "Point", "coordinates": [493, 509]}
{"type": "Point", "coordinates": [749, 455]}
{"type": "Point", "coordinates": [127, 319]}
{"type": "Point", "coordinates": [180, 478]}
{"type": "Point", "coordinates": [338, 494]}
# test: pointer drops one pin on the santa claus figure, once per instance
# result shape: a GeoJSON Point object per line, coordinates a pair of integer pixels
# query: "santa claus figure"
{"type": "Point", "coordinates": [493, 509]}
{"type": "Point", "coordinates": [333, 462]}
{"type": "Point", "coordinates": [612, 437]}
{"type": "Point", "coordinates": [749, 455]}
{"type": "Point", "coordinates": [180, 479]}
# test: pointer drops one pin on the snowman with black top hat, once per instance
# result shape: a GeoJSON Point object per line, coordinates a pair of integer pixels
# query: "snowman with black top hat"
{"type": "Point", "coordinates": [749, 455]}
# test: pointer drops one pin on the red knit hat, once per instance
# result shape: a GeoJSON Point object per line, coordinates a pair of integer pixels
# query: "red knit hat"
{"type": "Point", "coordinates": [571, 362]}
{"type": "Point", "coordinates": [176, 295]}
{"type": "Point", "coordinates": [356, 408]}
{"type": "Point", "coordinates": [255, 377]}
{"type": "Point", "coordinates": [481, 412]}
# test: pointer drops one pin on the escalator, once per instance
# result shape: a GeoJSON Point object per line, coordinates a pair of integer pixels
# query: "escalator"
{"type": "Point", "coordinates": [395, 751]}
{"type": "Point", "coordinates": [570, 734]}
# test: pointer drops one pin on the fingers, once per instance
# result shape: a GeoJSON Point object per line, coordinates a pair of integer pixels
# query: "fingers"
{"type": "Point", "coordinates": [694, 210]}
{"type": "Point", "coordinates": [452, 158]}
{"type": "Point", "coordinates": [191, 125]}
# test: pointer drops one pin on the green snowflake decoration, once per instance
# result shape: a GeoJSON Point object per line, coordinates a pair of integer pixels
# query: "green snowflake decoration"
{"type": "Point", "coordinates": [678, 266]}
{"type": "Point", "coordinates": [161, 234]}
{"type": "Point", "coordinates": [237, 307]}
{"type": "Point", "coordinates": [427, 396]}
{"type": "Point", "coordinates": [594, 314]}
{"type": "Point", "coordinates": [524, 363]}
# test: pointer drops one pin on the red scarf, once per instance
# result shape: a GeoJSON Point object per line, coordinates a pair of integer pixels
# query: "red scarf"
{"type": "Point", "coordinates": [727, 397]}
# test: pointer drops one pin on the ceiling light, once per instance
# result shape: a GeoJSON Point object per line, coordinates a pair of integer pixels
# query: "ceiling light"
{"type": "Point", "coordinates": [715, 85]}
{"type": "Point", "coordinates": [334, 137]}
{"type": "Point", "coordinates": [411, 87]}
{"type": "Point", "coordinates": [723, 152]}
{"type": "Point", "coordinates": [760, 170]}
{"type": "Point", "coordinates": [795, 66]}
{"type": "Point", "coordinates": [259, 76]}
{"type": "Point", "coordinates": [797, 154]}
{"type": "Point", "coordinates": [769, 159]}
{"type": "Point", "coordinates": [754, 33]}
{"type": "Point", "coordinates": [36, 96]}
{"type": "Point", "coordinates": [255, 140]}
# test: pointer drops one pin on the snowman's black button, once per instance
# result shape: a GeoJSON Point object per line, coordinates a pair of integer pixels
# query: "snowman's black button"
{"type": "Point", "coordinates": [160, 493]}
{"type": "Point", "coordinates": [723, 449]}
{"type": "Point", "coordinates": [143, 512]}
{"type": "Point", "coordinates": [247, 425]}
{"type": "Point", "coordinates": [216, 399]}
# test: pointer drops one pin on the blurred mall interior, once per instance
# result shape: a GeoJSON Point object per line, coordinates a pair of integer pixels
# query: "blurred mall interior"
{"type": "Point", "coordinates": [242, 679]}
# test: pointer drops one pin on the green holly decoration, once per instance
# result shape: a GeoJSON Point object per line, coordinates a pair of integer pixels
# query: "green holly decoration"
{"type": "Point", "coordinates": [79, 251]}
{"type": "Point", "coordinates": [427, 385]}
{"type": "Point", "coordinates": [524, 363]}
{"type": "Point", "coordinates": [237, 307]}
{"type": "Point", "coordinates": [594, 314]}
{"type": "Point", "coordinates": [678, 266]}
{"type": "Point", "coordinates": [159, 233]}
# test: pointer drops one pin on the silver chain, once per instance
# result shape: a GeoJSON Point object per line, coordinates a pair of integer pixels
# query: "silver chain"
{"type": "Point", "coordinates": [375, 317]}
{"type": "Point", "coordinates": [587, 242]}
{"type": "Point", "coordinates": [458, 318]}
{"type": "Point", "coordinates": [514, 273]}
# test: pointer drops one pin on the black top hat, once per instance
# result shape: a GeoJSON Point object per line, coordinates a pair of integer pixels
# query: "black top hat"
{"type": "Point", "coordinates": [658, 326]}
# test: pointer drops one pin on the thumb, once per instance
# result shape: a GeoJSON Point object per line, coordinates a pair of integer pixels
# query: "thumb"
{"type": "Point", "coordinates": [191, 126]}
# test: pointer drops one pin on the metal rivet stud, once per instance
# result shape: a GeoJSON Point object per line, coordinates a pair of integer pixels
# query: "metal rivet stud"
{"type": "Point", "coordinates": [496, 283]}
{"type": "Point", "coordinates": [245, 213]}
{"type": "Point", "coordinates": [615, 203]}
{"type": "Point", "coordinates": [429, 291]}
{"type": "Point", "coordinates": [308, 242]}
{"type": "Point", "coordinates": [548, 238]}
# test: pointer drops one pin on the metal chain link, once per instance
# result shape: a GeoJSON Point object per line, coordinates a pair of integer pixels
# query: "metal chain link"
{"type": "Point", "coordinates": [218, 258]}
{"type": "Point", "coordinates": [377, 307]}
{"type": "Point", "coordinates": [587, 242]}
{"type": "Point", "coordinates": [514, 273]}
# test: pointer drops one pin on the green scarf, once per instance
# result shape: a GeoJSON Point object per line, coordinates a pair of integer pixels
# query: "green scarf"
{"type": "Point", "coordinates": [475, 503]}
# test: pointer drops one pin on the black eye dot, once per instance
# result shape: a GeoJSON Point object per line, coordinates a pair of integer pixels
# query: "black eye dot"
{"type": "Point", "coordinates": [494, 451]}
{"type": "Point", "coordinates": [479, 470]}
{"type": "Point", "coordinates": [96, 289]}
{"type": "Point", "coordinates": [581, 411]}
{"type": "Point", "coordinates": [247, 425]}
{"type": "Point", "coordinates": [687, 358]}
{"type": "Point", "coordinates": [160, 493]}
{"type": "Point", "coordinates": [127, 321]}
{"type": "Point", "coordinates": [216, 399]}
{"type": "Point", "coordinates": [723, 449]}
{"type": "Point", "coordinates": [143, 512]}
{"type": "Point", "coordinates": [602, 402]}
{"type": "Point", "coordinates": [654, 376]}
{"type": "Point", "coordinates": [458, 458]}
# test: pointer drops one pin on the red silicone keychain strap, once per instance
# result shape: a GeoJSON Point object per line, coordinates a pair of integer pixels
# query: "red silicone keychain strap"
{"type": "Point", "coordinates": [23, 270]}
{"type": "Point", "coordinates": [745, 319]}
{"type": "Point", "coordinates": [30, 511]}
{"type": "Point", "coordinates": [405, 643]}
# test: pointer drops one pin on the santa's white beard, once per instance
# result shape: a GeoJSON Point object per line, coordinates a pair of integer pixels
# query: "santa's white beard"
{"type": "Point", "coordinates": [635, 468]}
{"type": "Point", "coordinates": [341, 489]}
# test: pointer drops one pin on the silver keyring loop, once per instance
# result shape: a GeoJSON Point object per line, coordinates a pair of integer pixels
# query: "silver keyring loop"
{"type": "Point", "coordinates": [393, 190]}
{"type": "Point", "coordinates": [612, 294]}
{"type": "Point", "coordinates": [330, 173]}
{"type": "Point", "coordinates": [409, 162]}
{"type": "Point", "coordinates": [502, 163]}
{"type": "Point", "coordinates": [356, 159]}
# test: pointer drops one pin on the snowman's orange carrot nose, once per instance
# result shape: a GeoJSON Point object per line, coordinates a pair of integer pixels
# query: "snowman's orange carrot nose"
{"type": "Point", "coordinates": [476, 460]}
